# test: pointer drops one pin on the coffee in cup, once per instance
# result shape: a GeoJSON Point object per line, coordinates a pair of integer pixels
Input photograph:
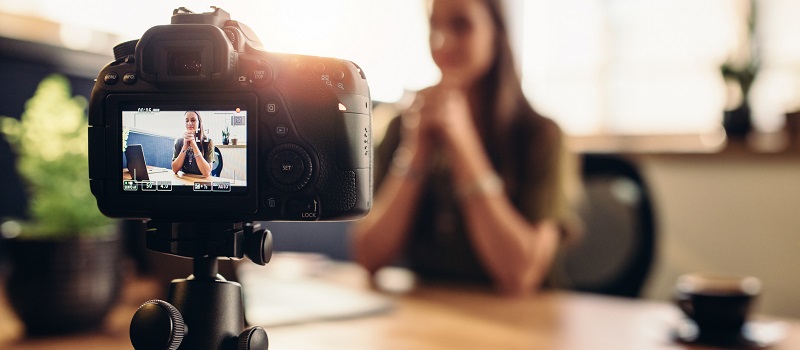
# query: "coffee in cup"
{"type": "Point", "coordinates": [718, 304]}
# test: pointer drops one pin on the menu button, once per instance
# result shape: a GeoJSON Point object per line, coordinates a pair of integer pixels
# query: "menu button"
{"type": "Point", "coordinates": [111, 78]}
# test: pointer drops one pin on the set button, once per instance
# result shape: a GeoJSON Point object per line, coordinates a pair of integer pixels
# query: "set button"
{"type": "Point", "coordinates": [290, 167]}
{"type": "Point", "coordinates": [287, 167]}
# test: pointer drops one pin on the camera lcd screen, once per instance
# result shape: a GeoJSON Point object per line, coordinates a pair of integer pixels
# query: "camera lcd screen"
{"type": "Point", "coordinates": [169, 151]}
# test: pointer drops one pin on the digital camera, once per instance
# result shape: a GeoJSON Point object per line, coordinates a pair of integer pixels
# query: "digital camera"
{"type": "Point", "coordinates": [196, 121]}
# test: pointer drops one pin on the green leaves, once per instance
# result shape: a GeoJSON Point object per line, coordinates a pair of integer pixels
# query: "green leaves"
{"type": "Point", "coordinates": [51, 141]}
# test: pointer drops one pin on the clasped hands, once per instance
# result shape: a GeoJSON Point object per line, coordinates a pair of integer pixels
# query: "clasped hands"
{"type": "Point", "coordinates": [439, 115]}
{"type": "Point", "coordinates": [189, 141]}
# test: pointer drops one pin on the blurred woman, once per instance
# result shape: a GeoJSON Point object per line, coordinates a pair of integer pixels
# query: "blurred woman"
{"type": "Point", "coordinates": [472, 184]}
{"type": "Point", "coordinates": [194, 152]}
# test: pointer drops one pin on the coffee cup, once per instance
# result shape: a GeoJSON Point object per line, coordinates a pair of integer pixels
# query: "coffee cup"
{"type": "Point", "coordinates": [718, 304]}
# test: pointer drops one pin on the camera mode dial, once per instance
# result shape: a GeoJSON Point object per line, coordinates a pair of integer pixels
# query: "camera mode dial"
{"type": "Point", "coordinates": [290, 167]}
{"type": "Point", "coordinates": [125, 50]}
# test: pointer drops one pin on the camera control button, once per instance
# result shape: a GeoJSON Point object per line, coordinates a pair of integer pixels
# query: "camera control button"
{"type": "Point", "coordinates": [271, 107]}
{"type": "Point", "coordinates": [338, 75]}
{"type": "Point", "coordinates": [261, 74]}
{"type": "Point", "coordinates": [281, 130]}
{"type": "Point", "coordinates": [319, 68]}
{"type": "Point", "coordinates": [302, 209]}
{"type": "Point", "coordinates": [287, 167]}
{"type": "Point", "coordinates": [232, 37]}
{"type": "Point", "coordinates": [129, 78]}
{"type": "Point", "coordinates": [111, 78]}
{"type": "Point", "coordinates": [290, 167]}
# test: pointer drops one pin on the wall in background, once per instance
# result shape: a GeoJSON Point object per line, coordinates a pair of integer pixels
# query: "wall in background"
{"type": "Point", "coordinates": [729, 214]}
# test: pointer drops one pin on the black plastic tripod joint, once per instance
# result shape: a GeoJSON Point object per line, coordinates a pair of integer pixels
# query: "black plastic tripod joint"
{"type": "Point", "coordinates": [203, 311]}
{"type": "Point", "coordinates": [205, 268]}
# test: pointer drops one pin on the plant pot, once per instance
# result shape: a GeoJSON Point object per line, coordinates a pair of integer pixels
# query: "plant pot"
{"type": "Point", "coordinates": [737, 122]}
{"type": "Point", "coordinates": [64, 285]}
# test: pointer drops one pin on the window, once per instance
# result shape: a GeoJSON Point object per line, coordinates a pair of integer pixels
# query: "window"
{"type": "Point", "coordinates": [630, 67]}
{"type": "Point", "coordinates": [620, 67]}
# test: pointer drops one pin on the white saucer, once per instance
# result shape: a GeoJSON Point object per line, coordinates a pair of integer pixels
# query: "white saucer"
{"type": "Point", "coordinates": [755, 334]}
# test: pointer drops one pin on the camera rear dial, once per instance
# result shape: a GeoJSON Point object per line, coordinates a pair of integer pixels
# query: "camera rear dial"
{"type": "Point", "coordinates": [290, 167]}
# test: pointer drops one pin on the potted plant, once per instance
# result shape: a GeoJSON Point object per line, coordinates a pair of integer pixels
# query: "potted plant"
{"type": "Point", "coordinates": [739, 72]}
{"type": "Point", "coordinates": [226, 134]}
{"type": "Point", "coordinates": [65, 254]}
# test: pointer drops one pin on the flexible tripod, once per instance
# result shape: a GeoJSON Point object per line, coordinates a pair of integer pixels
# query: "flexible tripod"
{"type": "Point", "coordinates": [202, 311]}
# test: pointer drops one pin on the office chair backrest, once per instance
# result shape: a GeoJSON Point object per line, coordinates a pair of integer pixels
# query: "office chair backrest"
{"type": "Point", "coordinates": [216, 167]}
{"type": "Point", "coordinates": [615, 254]}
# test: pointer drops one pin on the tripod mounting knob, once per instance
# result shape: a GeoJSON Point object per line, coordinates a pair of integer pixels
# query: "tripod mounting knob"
{"type": "Point", "coordinates": [157, 325]}
{"type": "Point", "coordinates": [257, 244]}
{"type": "Point", "coordinates": [253, 338]}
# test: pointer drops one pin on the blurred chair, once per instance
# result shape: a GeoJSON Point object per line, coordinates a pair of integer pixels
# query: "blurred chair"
{"type": "Point", "coordinates": [216, 167]}
{"type": "Point", "coordinates": [616, 252]}
{"type": "Point", "coordinates": [331, 238]}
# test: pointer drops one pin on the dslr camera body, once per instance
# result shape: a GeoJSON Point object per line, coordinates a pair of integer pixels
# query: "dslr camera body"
{"type": "Point", "coordinates": [288, 137]}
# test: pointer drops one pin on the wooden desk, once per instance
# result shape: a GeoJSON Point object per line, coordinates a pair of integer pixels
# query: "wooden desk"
{"type": "Point", "coordinates": [436, 318]}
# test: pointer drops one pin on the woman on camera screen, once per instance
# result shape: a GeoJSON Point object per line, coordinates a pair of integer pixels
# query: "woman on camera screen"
{"type": "Point", "coordinates": [194, 152]}
{"type": "Point", "coordinates": [472, 184]}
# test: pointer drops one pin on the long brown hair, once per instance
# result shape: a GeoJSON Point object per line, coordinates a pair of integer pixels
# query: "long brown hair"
{"type": "Point", "coordinates": [200, 133]}
{"type": "Point", "coordinates": [504, 110]}
{"type": "Point", "coordinates": [513, 127]}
